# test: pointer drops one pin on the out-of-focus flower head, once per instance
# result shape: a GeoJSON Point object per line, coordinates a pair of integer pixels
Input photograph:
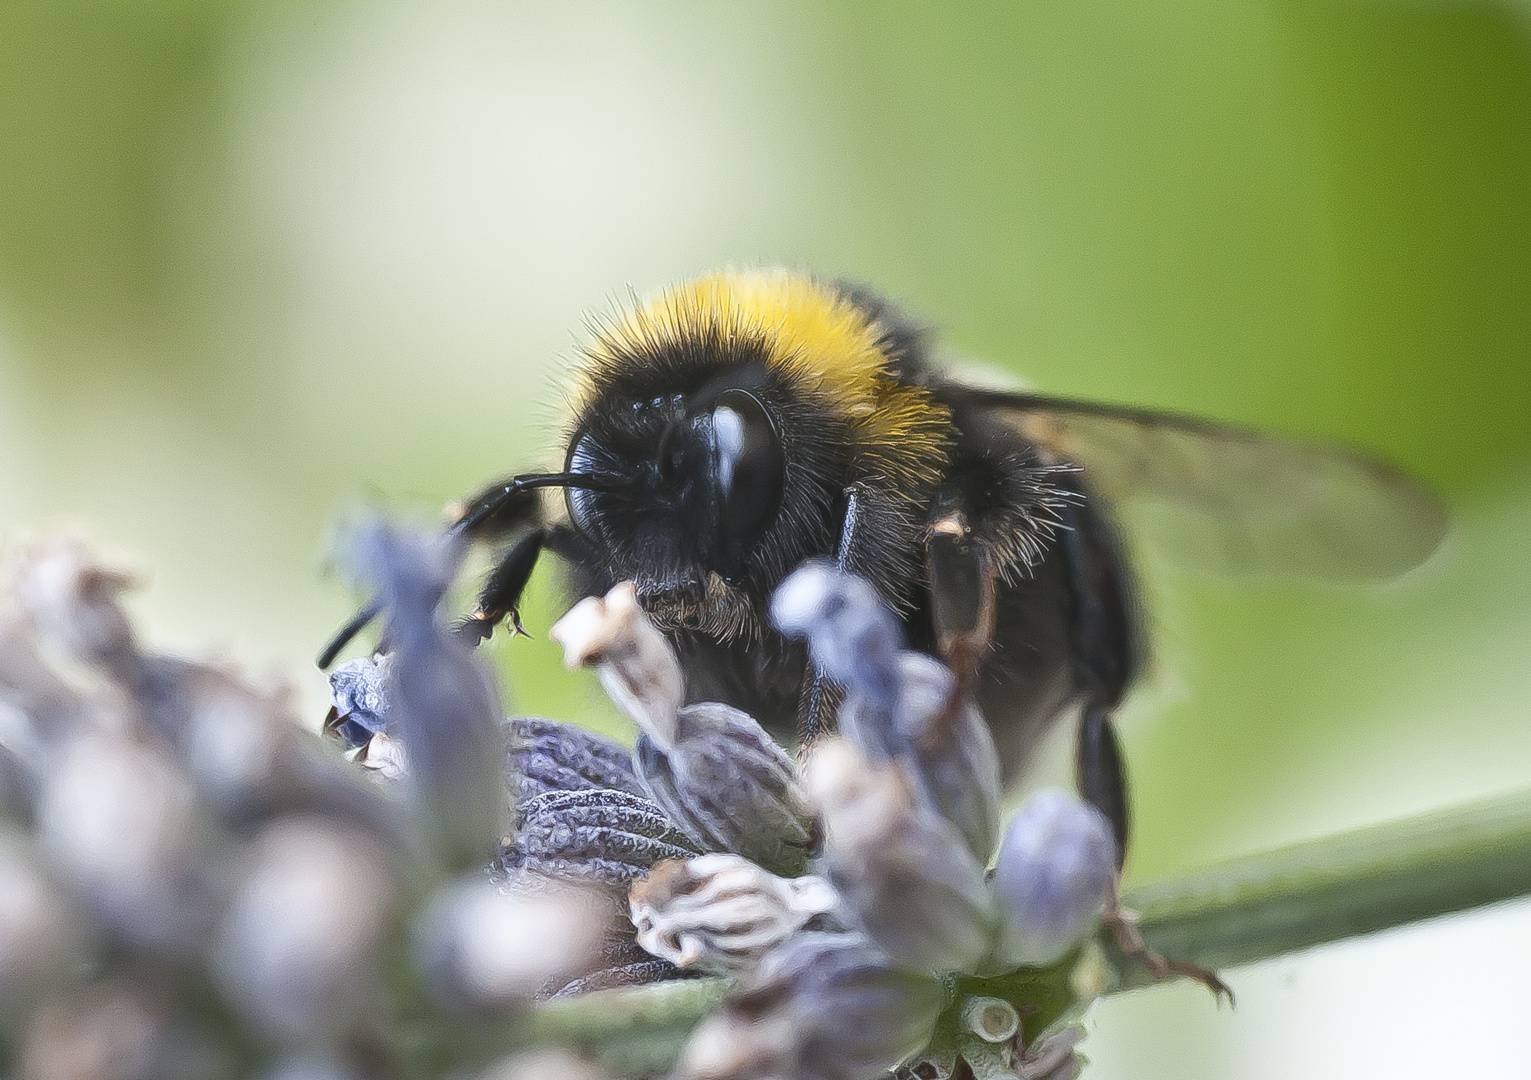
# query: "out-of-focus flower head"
{"type": "Point", "coordinates": [484, 946]}
{"type": "Point", "coordinates": [445, 707]}
{"type": "Point", "coordinates": [294, 949]}
{"type": "Point", "coordinates": [840, 972]}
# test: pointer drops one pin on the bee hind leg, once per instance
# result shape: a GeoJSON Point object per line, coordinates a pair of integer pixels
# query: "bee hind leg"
{"type": "Point", "coordinates": [1101, 775]}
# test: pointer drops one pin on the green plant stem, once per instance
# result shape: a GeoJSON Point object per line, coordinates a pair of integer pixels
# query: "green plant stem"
{"type": "Point", "coordinates": [1243, 911]}
{"type": "Point", "coordinates": [1341, 886]}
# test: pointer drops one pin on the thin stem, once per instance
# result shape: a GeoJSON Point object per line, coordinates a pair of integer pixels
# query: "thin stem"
{"type": "Point", "coordinates": [1338, 887]}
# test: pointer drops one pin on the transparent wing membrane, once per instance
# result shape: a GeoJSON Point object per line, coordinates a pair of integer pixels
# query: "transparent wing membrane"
{"type": "Point", "coordinates": [1230, 499]}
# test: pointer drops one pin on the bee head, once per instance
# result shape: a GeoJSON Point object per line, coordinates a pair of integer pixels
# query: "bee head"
{"type": "Point", "coordinates": [720, 425]}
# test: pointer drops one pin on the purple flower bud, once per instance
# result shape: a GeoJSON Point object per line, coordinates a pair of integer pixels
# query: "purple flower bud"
{"type": "Point", "coordinates": [898, 703]}
{"type": "Point", "coordinates": [726, 782]}
{"type": "Point", "coordinates": [906, 878]}
{"type": "Point", "coordinates": [448, 714]}
{"type": "Point", "coordinates": [942, 741]}
{"type": "Point", "coordinates": [1056, 873]}
{"type": "Point", "coordinates": [823, 1007]}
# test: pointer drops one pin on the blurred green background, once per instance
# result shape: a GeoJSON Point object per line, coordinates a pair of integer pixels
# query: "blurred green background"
{"type": "Point", "coordinates": [261, 260]}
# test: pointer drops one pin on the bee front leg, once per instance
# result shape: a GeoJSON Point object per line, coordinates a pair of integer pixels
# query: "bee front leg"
{"type": "Point", "coordinates": [499, 510]}
{"type": "Point", "coordinates": [500, 597]}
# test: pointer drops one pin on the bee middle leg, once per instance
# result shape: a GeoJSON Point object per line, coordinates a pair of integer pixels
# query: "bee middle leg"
{"type": "Point", "coordinates": [821, 696]}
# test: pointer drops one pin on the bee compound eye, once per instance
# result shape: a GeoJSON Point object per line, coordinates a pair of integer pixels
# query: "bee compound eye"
{"type": "Point", "coordinates": [748, 467]}
{"type": "Point", "coordinates": [578, 498]}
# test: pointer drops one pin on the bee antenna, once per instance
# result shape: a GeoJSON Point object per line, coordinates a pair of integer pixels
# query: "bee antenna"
{"type": "Point", "coordinates": [488, 504]}
{"type": "Point", "coordinates": [354, 626]}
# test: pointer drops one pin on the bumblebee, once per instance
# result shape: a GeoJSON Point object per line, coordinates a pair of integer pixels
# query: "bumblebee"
{"type": "Point", "coordinates": [726, 430]}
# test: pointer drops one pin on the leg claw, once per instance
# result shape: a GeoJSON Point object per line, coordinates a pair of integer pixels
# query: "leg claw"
{"type": "Point", "coordinates": [1123, 925]}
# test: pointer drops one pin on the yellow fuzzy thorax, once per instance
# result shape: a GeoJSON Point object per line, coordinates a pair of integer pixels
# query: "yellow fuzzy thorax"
{"type": "Point", "coordinates": [816, 339]}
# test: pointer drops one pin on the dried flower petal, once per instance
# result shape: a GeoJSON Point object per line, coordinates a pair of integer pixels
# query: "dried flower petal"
{"type": "Point", "coordinates": [635, 663]}
{"type": "Point", "coordinates": [824, 1007]}
{"type": "Point", "coordinates": [359, 691]}
{"type": "Point", "coordinates": [907, 879]}
{"type": "Point", "coordinates": [1053, 1057]}
{"type": "Point", "coordinates": [723, 913]}
{"type": "Point", "coordinates": [37, 708]}
{"type": "Point", "coordinates": [72, 600]}
{"type": "Point", "coordinates": [1055, 875]}
{"type": "Point", "coordinates": [385, 756]}
{"type": "Point", "coordinates": [605, 837]}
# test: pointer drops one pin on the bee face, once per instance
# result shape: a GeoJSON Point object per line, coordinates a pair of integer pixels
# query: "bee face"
{"type": "Point", "coordinates": [691, 482]}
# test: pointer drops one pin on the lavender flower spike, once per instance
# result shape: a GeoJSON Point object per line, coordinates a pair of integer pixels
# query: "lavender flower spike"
{"type": "Point", "coordinates": [899, 703]}
{"type": "Point", "coordinates": [1055, 876]}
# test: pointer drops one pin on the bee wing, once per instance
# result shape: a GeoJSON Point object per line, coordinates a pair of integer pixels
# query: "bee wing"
{"type": "Point", "coordinates": [1231, 499]}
